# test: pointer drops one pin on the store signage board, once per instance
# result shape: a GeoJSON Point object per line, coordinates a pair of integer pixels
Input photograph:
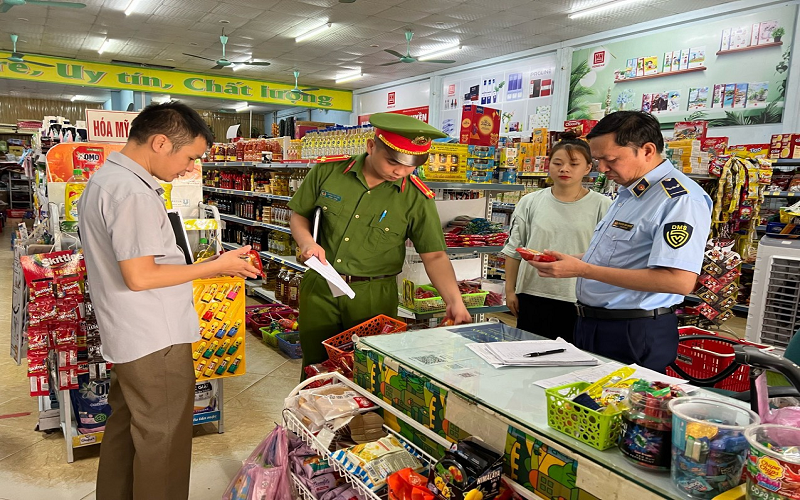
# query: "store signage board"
{"type": "Point", "coordinates": [109, 126]}
{"type": "Point", "coordinates": [395, 98]}
{"type": "Point", "coordinates": [118, 77]}
{"type": "Point", "coordinates": [419, 112]}
{"type": "Point", "coordinates": [729, 72]}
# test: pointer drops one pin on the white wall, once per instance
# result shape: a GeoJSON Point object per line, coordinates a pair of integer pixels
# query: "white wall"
{"type": "Point", "coordinates": [406, 95]}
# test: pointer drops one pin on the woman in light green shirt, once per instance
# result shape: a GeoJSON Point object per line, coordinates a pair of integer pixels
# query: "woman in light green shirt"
{"type": "Point", "coordinates": [560, 218]}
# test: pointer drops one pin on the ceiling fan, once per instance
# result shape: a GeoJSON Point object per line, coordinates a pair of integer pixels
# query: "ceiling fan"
{"type": "Point", "coordinates": [19, 57]}
{"type": "Point", "coordinates": [408, 58]}
{"type": "Point", "coordinates": [224, 63]}
{"type": "Point", "coordinates": [7, 4]}
{"type": "Point", "coordinates": [297, 89]}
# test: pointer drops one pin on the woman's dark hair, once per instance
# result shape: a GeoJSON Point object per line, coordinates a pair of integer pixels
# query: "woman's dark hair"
{"type": "Point", "coordinates": [180, 123]}
{"type": "Point", "coordinates": [632, 129]}
{"type": "Point", "coordinates": [573, 146]}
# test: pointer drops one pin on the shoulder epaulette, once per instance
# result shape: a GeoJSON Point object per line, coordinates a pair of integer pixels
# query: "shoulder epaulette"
{"type": "Point", "coordinates": [673, 187]}
{"type": "Point", "coordinates": [329, 159]}
{"type": "Point", "coordinates": [422, 187]}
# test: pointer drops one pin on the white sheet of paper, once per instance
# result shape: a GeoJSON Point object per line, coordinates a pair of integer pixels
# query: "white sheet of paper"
{"type": "Point", "coordinates": [232, 132]}
{"type": "Point", "coordinates": [335, 282]}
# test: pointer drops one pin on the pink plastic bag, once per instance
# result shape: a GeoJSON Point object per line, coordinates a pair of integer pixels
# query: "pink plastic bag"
{"type": "Point", "coordinates": [265, 473]}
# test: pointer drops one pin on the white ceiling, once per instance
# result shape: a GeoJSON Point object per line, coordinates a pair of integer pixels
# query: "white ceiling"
{"type": "Point", "coordinates": [160, 30]}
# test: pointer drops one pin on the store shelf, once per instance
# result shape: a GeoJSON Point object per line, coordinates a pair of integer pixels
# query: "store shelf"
{"type": "Point", "coordinates": [82, 440]}
{"type": "Point", "coordinates": [256, 164]}
{"type": "Point", "coordinates": [532, 174]}
{"type": "Point", "coordinates": [239, 192]}
{"type": "Point", "coordinates": [701, 177]}
{"type": "Point", "coordinates": [738, 307]}
{"type": "Point", "coordinates": [472, 250]}
{"type": "Point", "coordinates": [782, 194]}
{"type": "Point", "coordinates": [503, 206]}
{"type": "Point", "coordinates": [476, 187]}
{"type": "Point", "coordinates": [229, 164]}
{"type": "Point", "coordinates": [248, 222]}
{"type": "Point", "coordinates": [752, 47]}
{"type": "Point", "coordinates": [408, 313]}
{"type": "Point", "coordinates": [786, 162]}
{"type": "Point", "coordinates": [283, 260]}
{"type": "Point", "coordinates": [658, 75]}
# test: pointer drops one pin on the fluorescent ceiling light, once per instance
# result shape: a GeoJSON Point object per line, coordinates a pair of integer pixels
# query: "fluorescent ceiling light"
{"type": "Point", "coordinates": [241, 107]}
{"type": "Point", "coordinates": [161, 98]}
{"type": "Point", "coordinates": [600, 8]}
{"type": "Point", "coordinates": [440, 52]}
{"type": "Point", "coordinates": [131, 6]}
{"type": "Point", "coordinates": [315, 32]}
{"type": "Point", "coordinates": [104, 47]}
{"type": "Point", "coordinates": [237, 67]}
{"type": "Point", "coordinates": [77, 98]}
{"type": "Point", "coordinates": [346, 77]}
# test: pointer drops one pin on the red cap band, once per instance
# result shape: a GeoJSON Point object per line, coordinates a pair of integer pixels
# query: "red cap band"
{"type": "Point", "coordinates": [418, 146]}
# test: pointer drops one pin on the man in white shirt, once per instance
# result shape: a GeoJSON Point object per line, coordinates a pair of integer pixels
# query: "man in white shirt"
{"type": "Point", "coordinates": [142, 292]}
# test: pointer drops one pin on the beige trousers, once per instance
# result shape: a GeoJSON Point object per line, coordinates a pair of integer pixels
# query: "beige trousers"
{"type": "Point", "coordinates": [146, 452]}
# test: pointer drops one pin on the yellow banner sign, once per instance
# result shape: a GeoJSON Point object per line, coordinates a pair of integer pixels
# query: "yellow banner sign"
{"type": "Point", "coordinates": [119, 77]}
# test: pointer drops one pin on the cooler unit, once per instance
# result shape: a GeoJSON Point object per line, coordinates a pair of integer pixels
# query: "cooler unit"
{"type": "Point", "coordinates": [774, 314]}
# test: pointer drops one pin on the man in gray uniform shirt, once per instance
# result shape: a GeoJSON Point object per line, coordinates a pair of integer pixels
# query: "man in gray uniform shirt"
{"type": "Point", "coordinates": [142, 293]}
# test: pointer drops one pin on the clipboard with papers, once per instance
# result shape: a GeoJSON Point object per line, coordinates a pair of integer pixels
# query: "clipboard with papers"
{"type": "Point", "coordinates": [532, 353]}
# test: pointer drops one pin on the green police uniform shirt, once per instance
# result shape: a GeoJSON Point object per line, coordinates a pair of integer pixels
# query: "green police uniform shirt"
{"type": "Point", "coordinates": [364, 230]}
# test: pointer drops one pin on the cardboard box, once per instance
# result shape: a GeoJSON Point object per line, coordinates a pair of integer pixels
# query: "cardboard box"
{"type": "Point", "coordinates": [717, 144]}
{"type": "Point", "coordinates": [483, 468]}
{"type": "Point", "coordinates": [480, 164]}
{"type": "Point", "coordinates": [580, 127]}
{"type": "Point", "coordinates": [480, 126]}
{"type": "Point", "coordinates": [794, 147]}
{"type": "Point", "coordinates": [750, 150]}
{"type": "Point", "coordinates": [474, 151]}
{"type": "Point", "coordinates": [691, 130]}
{"type": "Point", "coordinates": [446, 162]}
{"type": "Point", "coordinates": [480, 176]}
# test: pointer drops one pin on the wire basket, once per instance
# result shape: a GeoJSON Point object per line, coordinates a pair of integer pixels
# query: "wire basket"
{"type": "Point", "coordinates": [290, 344]}
{"type": "Point", "coordinates": [705, 358]}
{"type": "Point", "coordinates": [342, 343]}
{"type": "Point", "coordinates": [598, 430]}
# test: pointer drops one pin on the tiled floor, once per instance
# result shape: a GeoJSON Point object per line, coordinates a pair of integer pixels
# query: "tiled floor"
{"type": "Point", "coordinates": [33, 464]}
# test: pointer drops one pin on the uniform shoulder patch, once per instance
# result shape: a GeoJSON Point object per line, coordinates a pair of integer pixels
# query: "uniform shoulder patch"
{"type": "Point", "coordinates": [677, 234]}
{"type": "Point", "coordinates": [673, 187]}
{"type": "Point", "coordinates": [417, 182]}
{"type": "Point", "coordinates": [330, 159]}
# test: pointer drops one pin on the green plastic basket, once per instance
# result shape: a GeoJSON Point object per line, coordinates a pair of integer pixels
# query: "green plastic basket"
{"type": "Point", "coordinates": [435, 304]}
{"type": "Point", "coordinates": [268, 338]}
{"type": "Point", "coordinates": [596, 429]}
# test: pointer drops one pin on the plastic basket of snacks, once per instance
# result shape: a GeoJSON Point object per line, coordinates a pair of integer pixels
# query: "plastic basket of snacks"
{"type": "Point", "coordinates": [342, 344]}
{"type": "Point", "coordinates": [427, 298]}
{"type": "Point", "coordinates": [261, 316]}
{"type": "Point", "coordinates": [704, 358]}
{"type": "Point", "coordinates": [471, 293]}
{"type": "Point", "coordinates": [290, 344]}
{"type": "Point", "coordinates": [598, 429]}
{"type": "Point", "coordinates": [269, 334]}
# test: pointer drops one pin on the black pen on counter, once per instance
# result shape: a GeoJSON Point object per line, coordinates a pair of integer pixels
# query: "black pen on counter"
{"type": "Point", "coordinates": [543, 353]}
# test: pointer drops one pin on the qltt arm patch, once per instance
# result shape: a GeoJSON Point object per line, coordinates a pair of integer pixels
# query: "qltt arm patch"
{"type": "Point", "coordinates": [677, 234]}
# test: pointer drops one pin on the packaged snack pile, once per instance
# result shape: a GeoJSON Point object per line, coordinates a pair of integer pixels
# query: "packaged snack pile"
{"type": "Point", "coordinates": [62, 328]}
{"type": "Point", "coordinates": [315, 407]}
{"type": "Point", "coordinates": [374, 462]}
{"type": "Point", "coordinates": [718, 285]}
{"type": "Point", "coordinates": [466, 231]}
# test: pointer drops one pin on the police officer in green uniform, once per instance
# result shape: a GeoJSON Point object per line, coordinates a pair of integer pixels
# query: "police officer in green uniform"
{"type": "Point", "coordinates": [371, 204]}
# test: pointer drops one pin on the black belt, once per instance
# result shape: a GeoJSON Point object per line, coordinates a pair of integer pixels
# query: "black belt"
{"type": "Point", "coordinates": [601, 313]}
{"type": "Point", "coordinates": [355, 279]}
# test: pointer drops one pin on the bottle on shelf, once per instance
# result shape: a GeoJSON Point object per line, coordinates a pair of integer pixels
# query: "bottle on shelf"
{"type": "Point", "coordinates": [287, 278]}
{"type": "Point", "coordinates": [279, 284]}
{"type": "Point", "coordinates": [294, 290]}
{"type": "Point", "coordinates": [73, 191]}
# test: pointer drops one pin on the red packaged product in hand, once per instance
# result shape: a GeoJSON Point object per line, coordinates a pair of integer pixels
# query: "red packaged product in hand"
{"type": "Point", "coordinates": [533, 255]}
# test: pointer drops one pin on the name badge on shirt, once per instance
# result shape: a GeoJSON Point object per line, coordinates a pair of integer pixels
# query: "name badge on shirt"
{"type": "Point", "coordinates": [328, 194]}
{"type": "Point", "coordinates": [625, 226]}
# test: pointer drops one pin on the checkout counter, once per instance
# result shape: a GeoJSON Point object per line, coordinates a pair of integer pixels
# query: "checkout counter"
{"type": "Point", "coordinates": [433, 378]}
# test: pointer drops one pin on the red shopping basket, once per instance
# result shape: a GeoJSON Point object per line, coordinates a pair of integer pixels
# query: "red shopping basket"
{"type": "Point", "coordinates": [342, 343]}
{"type": "Point", "coordinates": [704, 358]}
{"type": "Point", "coordinates": [261, 316]}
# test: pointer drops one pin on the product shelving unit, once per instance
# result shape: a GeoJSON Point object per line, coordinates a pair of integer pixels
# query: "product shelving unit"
{"type": "Point", "coordinates": [18, 187]}
{"type": "Point", "coordinates": [752, 47]}
{"type": "Point", "coordinates": [658, 75]}
{"type": "Point", "coordinates": [239, 192]}
{"type": "Point", "coordinates": [250, 222]}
